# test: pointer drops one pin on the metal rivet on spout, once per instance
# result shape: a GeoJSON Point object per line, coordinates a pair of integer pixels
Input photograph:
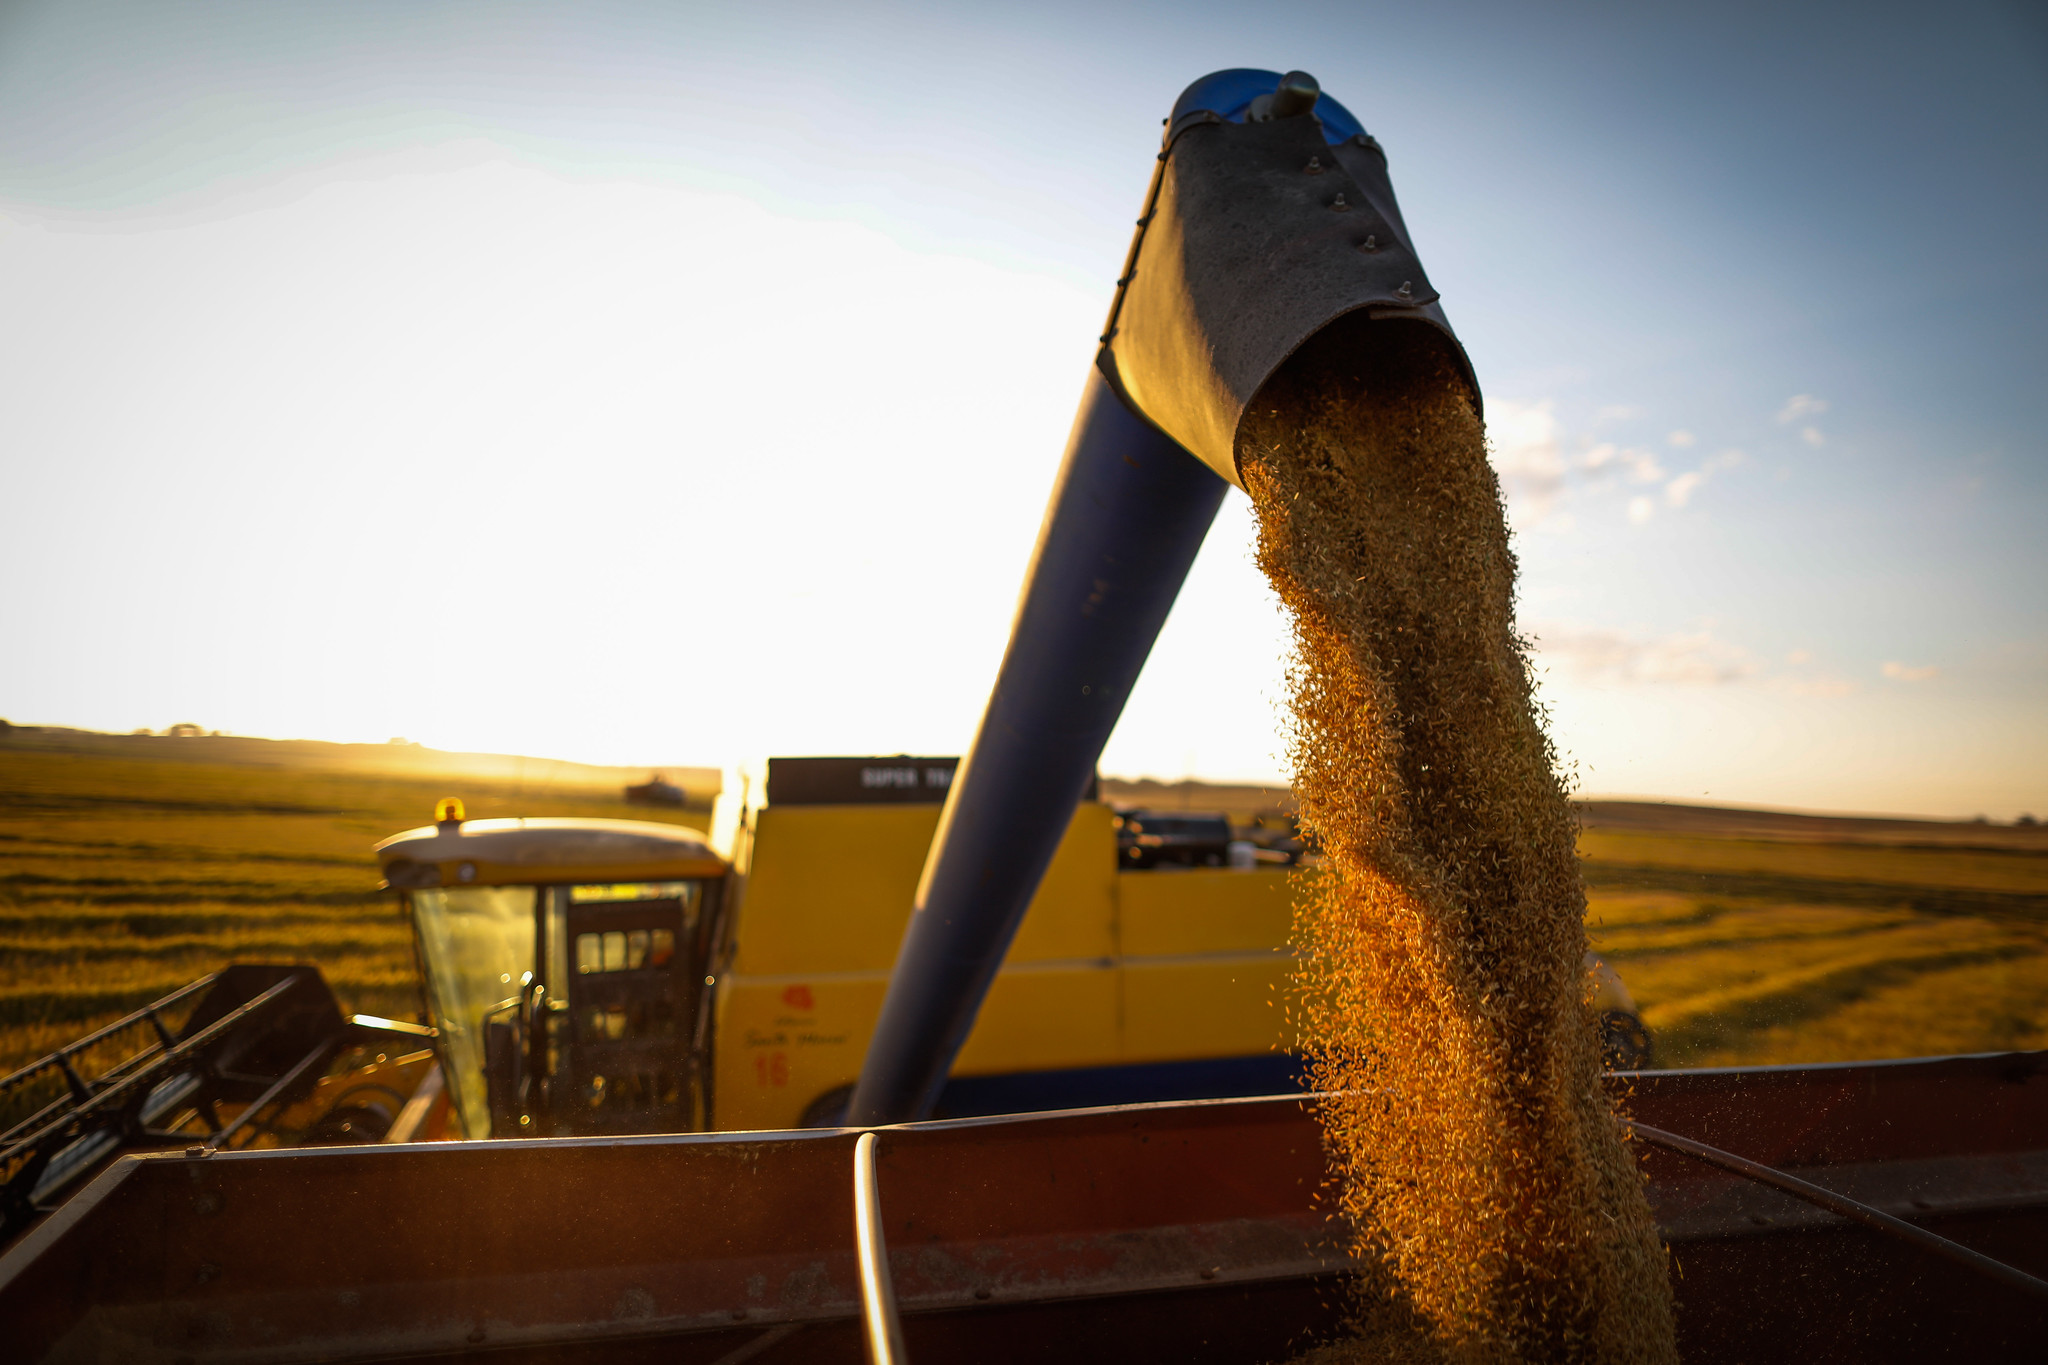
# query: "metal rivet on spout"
{"type": "Point", "coordinates": [1407, 289]}
{"type": "Point", "coordinates": [1369, 244]}
{"type": "Point", "coordinates": [1315, 166]}
{"type": "Point", "coordinates": [1339, 204]}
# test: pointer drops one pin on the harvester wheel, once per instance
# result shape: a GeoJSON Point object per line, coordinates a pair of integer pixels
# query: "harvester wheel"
{"type": "Point", "coordinates": [828, 1110]}
{"type": "Point", "coordinates": [1624, 1042]}
{"type": "Point", "coordinates": [362, 1116]}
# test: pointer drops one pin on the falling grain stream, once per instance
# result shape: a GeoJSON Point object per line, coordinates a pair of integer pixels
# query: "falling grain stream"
{"type": "Point", "coordinates": [1475, 1154]}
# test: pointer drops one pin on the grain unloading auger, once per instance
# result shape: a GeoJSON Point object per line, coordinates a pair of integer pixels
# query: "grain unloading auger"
{"type": "Point", "coordinates": [1270, 224]}
{"type": "Point", "coordinates": [1180, 1231]}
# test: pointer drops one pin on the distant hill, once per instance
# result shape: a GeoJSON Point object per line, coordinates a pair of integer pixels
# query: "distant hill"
{"type": "Point", "coordinates": [1241, 801]}
{"type": "Point", "coordinates": [1723, 822]}
{"type": "Point", "coordinates": [1638, 817]}
{"type": "Point", "coordinates": [395, 760]}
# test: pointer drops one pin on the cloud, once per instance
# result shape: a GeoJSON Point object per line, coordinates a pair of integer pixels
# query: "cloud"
{"type": "Point", "coordinates": [1825, 685]}
{"type": "Point", "coordinates": [1696, 658]}
{"type": "Point", "coordinates": [1798, 408]}
{"type": "Point", "coordinates": [1526, 455]}
{"type": "Point", "coordinates": [1641, 465]}
{"type": "Point", "coordinates": [1538, 477]}
{"type": "Point", "coordinates": [1679, 491]}
{"type": "Point", "coordinates": [1809, 684]}
{"type": "Point", "coordinates": [1693, 658]}
{"type": "Point", "coordinates": [1801, 405]}
{"type": "Point", "coordinates": [1899, 672]}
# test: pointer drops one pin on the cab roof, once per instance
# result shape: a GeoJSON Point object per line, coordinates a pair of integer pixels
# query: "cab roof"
{"type": "Point", "coordinates": [544, 851]}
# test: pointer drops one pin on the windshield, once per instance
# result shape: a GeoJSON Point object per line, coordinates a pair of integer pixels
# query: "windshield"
{"type": "Point", "coordinates": [477, 942]}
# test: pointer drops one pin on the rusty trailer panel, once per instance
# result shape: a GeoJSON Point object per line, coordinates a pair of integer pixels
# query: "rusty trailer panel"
{"type": "Point", "coordinates": [572, 1247]}
{"type": "Point", "coordinates": [1178, 1231]}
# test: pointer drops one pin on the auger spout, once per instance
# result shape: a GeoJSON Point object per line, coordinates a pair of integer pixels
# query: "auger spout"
{"type": "Point", "coordinates": [1269, 218]}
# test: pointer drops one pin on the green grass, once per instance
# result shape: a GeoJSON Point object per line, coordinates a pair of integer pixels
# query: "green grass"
{"type": "Point", "coordinates": [121, 880]}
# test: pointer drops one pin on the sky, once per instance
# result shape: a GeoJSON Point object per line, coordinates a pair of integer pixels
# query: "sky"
{"type": "Point", "coordinates": [634, 382]}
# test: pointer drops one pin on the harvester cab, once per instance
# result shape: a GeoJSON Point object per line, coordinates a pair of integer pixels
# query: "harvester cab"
{"type": "Point", "coordinates": [566, 964]}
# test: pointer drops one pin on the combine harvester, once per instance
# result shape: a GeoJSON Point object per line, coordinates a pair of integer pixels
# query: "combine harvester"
{"type": "Point", "coordinates": [1867, 1212]}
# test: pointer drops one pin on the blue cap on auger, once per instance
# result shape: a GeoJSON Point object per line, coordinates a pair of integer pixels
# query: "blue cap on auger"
{"type": "Point", "coordinates": [1269, 220]}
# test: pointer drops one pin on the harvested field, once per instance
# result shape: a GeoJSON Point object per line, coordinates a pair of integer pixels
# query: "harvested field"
{"type": "Point", "coordinates": [122, 879]}
{"type": "Point", "coordinates": [1793, 939]}
{"type": "Point", "coordinates": [1746, 936]}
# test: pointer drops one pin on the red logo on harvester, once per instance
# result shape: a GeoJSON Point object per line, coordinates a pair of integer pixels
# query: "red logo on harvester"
{"type": "Point", "coordinates": [798, 998]}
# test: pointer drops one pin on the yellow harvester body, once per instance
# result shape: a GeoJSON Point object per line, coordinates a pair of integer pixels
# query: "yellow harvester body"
{"type": "Point", "coordinates": [591, 976]}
